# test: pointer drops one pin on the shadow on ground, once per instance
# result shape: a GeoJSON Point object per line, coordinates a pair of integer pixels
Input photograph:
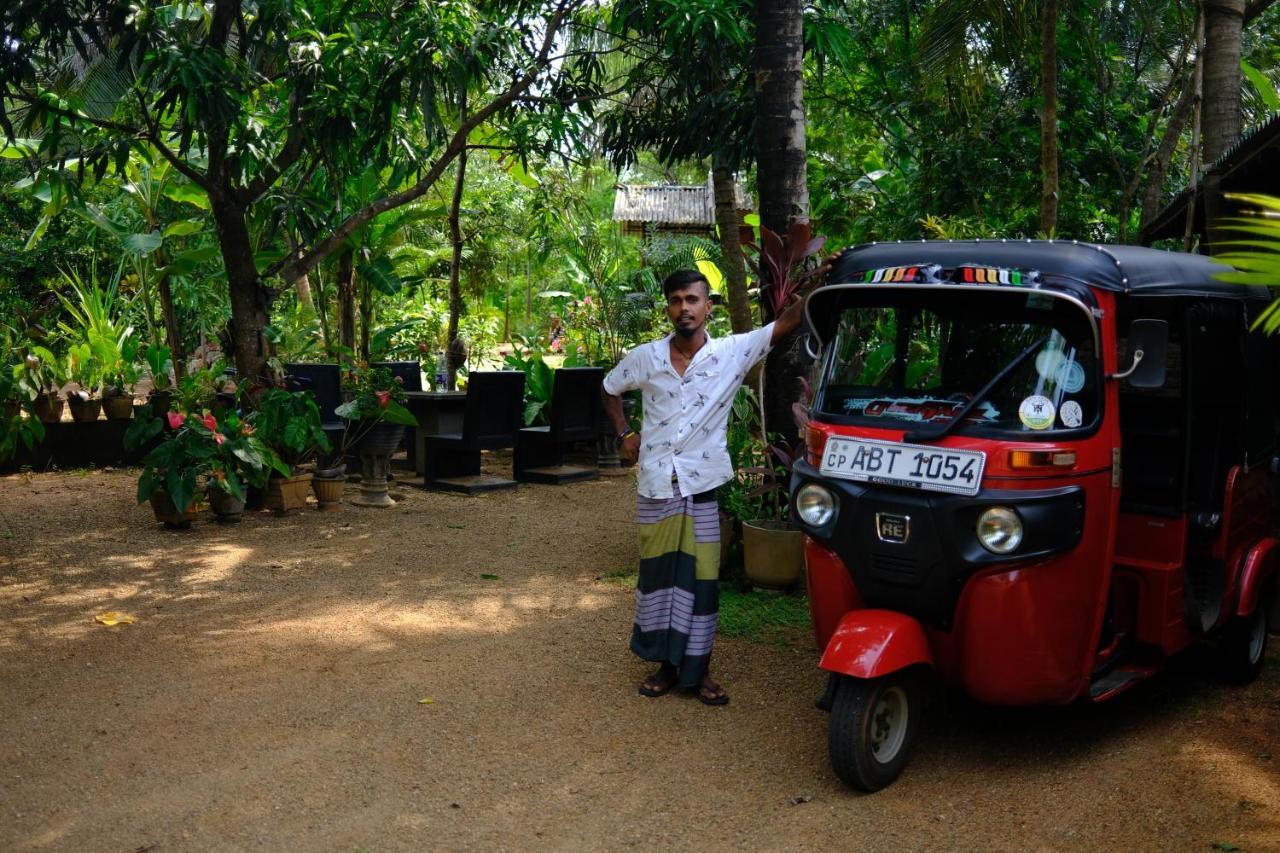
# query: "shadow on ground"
{"type": "Point", "coordinates": [451, 674]}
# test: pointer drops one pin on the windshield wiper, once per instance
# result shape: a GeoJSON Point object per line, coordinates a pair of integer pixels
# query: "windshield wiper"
{"type": "Point", "coordinates": [958, 418]}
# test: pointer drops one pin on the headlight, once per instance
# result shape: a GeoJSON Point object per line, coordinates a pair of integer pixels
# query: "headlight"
{"type": "Point", "coordinates": [1000, 530]}
{"type": "Point", "coordinates": [815, 504]}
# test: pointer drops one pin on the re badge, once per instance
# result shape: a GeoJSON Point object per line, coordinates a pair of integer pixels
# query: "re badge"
{"type": "Point", "coordinates": [1036, 412]}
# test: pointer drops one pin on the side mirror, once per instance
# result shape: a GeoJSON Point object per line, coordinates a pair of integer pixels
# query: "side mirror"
{"type": "Point", "coordinates": [1147, 345]}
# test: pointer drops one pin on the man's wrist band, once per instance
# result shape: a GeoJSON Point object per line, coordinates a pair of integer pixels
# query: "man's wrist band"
{"type": "Point", "coordinates": [626, 433]}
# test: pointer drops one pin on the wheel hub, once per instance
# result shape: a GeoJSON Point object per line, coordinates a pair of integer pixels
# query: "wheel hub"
{"type": "Point", "coordinates": [889, 724]}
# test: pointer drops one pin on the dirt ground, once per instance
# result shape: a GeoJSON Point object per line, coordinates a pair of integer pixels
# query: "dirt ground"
{"type": "Point", "coordinates": [353, 681]}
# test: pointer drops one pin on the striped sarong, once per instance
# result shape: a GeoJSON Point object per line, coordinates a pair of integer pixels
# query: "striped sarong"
{"type": "Point", "coordinates": [678, 591]}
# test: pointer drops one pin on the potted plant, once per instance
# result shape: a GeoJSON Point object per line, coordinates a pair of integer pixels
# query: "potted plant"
{"type": "Point", "coordinates": [376, 418]}
{"type": "Point", "coordinates": [289, 423]}
{"type": "Point", "coordinates": [773, 548]}
{"type": "Point", "coordinates": [171, 472]}
{"type": "Point", "coordinates": [16, 427]}
{"type": "Point", "coordinates": [84, 369]}
{"type": "Point", "coordinates": [159, 362]}
{"type": "Point", "coordinates": [119, 377]}
{"type": "Point", "coordinates": [39, 376]}
{"type": "Point", "coordinates": [240, 459]}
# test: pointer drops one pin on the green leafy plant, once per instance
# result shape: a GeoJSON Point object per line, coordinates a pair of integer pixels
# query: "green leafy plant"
{"type": "Point", "coordinates": [538, 377]}
{"type": "Point", "coordinates": [18, 425]}
{"type": "Point", "coordinates": [85, 369]}
{"type": "Point", "coordinates": [227, 454]}
{"type": "Point", "coordinates": [289, 423]}
{"type": "Point", "coordinates": [1257, 258]}
{"type": "Point", "coordinates": [159, 361]}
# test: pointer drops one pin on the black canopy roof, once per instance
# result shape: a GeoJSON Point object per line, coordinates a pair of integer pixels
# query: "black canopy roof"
{"type": "Point", "coordinates": [1062, 264]}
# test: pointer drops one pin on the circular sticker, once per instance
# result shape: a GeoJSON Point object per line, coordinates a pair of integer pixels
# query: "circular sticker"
{"type": "Point", "coordinates": [1036, 412]}
{"type": "Point", "coordinates": [1048, 362]}
{"type": "Point", "coordinates": [1070, 377]}
{"type": "Point", "coordinates": [1071, 414]}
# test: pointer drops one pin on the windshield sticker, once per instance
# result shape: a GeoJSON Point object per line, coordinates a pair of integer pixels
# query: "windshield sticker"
{"type": "Point", "coordinates": [1039, 301]}
{"type": "Point", "coordinates": [922, 274]}
{"type": "Point", "coordinates": [996, 275]}
{"type": "Point", "coordinates": [1071, 414]}
{"type": "Point", "coordinates": [1048, 362]}
{"type": "Point", "coordinates": [1036, 412]}
{"type": "Point", "coordinates": [923, 409]}
{"type": "Point", "coordinates": [1070, 377]}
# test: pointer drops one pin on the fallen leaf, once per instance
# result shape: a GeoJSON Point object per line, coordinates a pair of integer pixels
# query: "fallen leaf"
{"type": "Point", "coordinates": [799, 801]}
{"type": "Point", "coordinates": [111, 617]}
{"type": "Point", "coordinates": [491, 577]}
{"type": "Point", "coordinates": [1224, 845]}
{"type": "Point", "coordinates": [426, 701]}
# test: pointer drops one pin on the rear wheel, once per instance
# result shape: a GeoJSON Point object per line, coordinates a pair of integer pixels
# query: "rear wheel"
{"type": "Point", "coordinates": [1244, 642]}
{"type": "Point", "coordinates": [873, 727]}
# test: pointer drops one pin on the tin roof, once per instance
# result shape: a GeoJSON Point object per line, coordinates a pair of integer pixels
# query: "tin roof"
{"type": "Point", "coordinates": [671, 205]}
{"type": "Point", "coordinates": [1250, 165]}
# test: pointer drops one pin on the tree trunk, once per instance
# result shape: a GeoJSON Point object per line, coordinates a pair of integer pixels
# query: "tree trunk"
{"type": "Point", "coordinates": [1049, 117]}
{"type": "Point", "coordinates": [347, 301]}
{"type": "Point", "coordinates": [303, 283]}
{"type": "Point", "coordinates": [1153, 189]}
{"type": "Point", "coordinates": [455, 264]}
{"type": "Point", "coordinates": [366, 317]}
{"type": "Point", "coordinates": [781, 170]}
{"type": "Point", "coordinates": [248, 299]}
{"type": "Point", "coordinates": [171, 332]}
{"type": "Point", "coordinates": [1221, 117]}
{"type": "Point", "coordinates": [735, 271]}
{"type": "Point", "coordinates": [781, 174]}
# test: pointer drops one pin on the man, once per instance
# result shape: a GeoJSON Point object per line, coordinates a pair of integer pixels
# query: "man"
{"type": "Point", "coordinates": [688, 381]}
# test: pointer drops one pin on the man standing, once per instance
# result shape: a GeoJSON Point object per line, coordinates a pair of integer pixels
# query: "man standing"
{"type": "Point", "coordinates": [688, 381]}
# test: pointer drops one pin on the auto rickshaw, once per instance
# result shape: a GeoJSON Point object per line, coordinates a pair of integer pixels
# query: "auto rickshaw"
{"type": "Point", "coordinates": [1035, 471]}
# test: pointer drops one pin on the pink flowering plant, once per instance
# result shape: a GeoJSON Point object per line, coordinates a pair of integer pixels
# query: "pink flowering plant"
{"type": "Point", "coordinates": [376, 395]}
{"type": "Point", "coordinates": [227, 454]}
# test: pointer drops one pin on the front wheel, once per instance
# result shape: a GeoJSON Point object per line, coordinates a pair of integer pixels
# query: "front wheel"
{"type": "Point", "coordinates": [873, 727]}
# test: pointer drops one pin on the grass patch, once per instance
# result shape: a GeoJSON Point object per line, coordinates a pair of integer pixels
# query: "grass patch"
{"type": "Point", "coordinates": [762, 617]}
{"type": "Point", "coordinates": [621, 577]}
{"type": "Point", "coordinates": [759, 617]}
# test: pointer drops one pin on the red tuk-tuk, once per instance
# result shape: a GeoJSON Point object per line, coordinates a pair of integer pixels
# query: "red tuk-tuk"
{"type": "Point", "coordinates": [1035, 471]}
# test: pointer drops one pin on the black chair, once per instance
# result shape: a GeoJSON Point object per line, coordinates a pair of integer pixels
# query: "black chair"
{"type": "Point", "coordinates": [494, 412]}
{"type": "Point", "coordinates": [409, 371]}
{"type": "Point", "coordinates": [575, 417]}
{"type": "Point", "coordinates": [324, 381]}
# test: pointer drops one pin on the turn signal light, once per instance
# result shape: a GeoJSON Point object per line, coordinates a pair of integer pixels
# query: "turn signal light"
{"type": "Point", "coordinates": [816, 441]}
{"type": "Point", "coordinates": [1042, 458]}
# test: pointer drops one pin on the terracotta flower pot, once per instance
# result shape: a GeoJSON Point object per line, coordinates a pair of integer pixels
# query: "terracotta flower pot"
{"type": "Point", "coordinates": [772, 554]}
{"type": "Point", "coordinates": [160, 401]}
{"type": "Point", "coordinates": [286, 493]}
{"type": "Point", "coordinates": [117, 405]}
{"type": "Point", "coordinates": [84, 409]}
{"type": "Point", "coordinates": [166, 512]}
{"type": "Point", "coordinates": [48, 408]}
{"type": "Point", "coordinates": [328, 485]}
{"type": "Point", "coordinates": [226, 508]}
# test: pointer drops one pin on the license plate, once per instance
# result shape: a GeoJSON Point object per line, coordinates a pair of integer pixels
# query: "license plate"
{"type": "Point", "coordinates": [920, 466]}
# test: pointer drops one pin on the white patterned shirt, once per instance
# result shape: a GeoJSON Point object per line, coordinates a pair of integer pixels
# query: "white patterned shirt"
{"type": "Point", "coordinates": [686, 418]}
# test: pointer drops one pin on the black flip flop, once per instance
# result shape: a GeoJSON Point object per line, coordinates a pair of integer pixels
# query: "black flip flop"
{"type": "Point", "coordinates": [722, 699]}
{"type": "Point", "coordinates": [655, 692]}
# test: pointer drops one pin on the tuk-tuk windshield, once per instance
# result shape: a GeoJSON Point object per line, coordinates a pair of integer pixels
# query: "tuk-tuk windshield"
{"type": "Point", "coordinates": [900, 358]}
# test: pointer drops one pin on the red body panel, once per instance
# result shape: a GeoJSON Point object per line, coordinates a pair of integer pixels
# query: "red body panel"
{"type": "Point", "coordinates": [872, 643]}
{"type": "Point", "coordinates": [1258, 567]}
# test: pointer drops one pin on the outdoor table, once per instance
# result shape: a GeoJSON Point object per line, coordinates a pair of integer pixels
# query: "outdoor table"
{"type": "Point", "coordinates": [436, 412]}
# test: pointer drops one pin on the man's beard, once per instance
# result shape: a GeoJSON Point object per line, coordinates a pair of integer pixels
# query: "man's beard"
{"type": "Point", "coordinates": [688, 332]}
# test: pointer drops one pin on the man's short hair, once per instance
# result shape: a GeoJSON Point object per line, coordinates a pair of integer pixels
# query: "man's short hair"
{"type": "Point", "coordinates": [681, 279]}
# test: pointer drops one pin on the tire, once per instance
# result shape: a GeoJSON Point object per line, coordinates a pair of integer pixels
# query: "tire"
{"type": "Point", "coordinates": [1243, 648]}
{"type": "Point", "coordinates": [873, 728]}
